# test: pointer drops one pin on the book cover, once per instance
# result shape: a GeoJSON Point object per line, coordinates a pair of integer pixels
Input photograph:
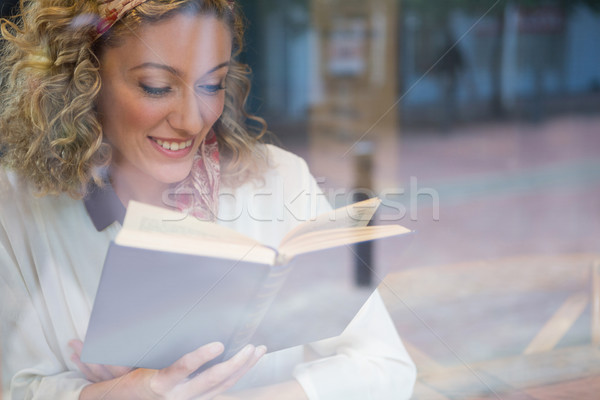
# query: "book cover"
{"type": "Point", "coordinates": [153, 306]}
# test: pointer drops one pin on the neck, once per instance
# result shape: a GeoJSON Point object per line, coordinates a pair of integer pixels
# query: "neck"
{"type": "Point", "coordinates": [129, 186]}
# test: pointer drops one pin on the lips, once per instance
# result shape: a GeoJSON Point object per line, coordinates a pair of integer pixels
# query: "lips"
{"type": "Point", "coordinates": [173, 145]}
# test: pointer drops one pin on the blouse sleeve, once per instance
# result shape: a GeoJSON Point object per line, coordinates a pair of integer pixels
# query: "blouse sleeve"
{"type": "Point", "coordinates": [32, 364]}
{"type": "Point", "coordinates": [367, 361]}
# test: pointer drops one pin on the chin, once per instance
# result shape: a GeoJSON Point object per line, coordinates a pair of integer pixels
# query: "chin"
{"type": "Point", "coordinates": [171, 180]}
{"type": "Point", "coordinates": [173, 176]}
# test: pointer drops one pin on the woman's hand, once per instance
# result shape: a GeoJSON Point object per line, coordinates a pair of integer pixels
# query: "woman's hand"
{"type": "Point", "coordinates": [173, 382]}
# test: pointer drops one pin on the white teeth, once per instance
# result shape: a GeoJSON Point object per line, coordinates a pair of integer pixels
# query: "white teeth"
{"type": "Point", "coordinates": [172, 145]}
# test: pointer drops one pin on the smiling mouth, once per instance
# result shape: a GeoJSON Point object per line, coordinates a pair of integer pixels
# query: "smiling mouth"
{"type": "Point", "coordinates": [173, 146]}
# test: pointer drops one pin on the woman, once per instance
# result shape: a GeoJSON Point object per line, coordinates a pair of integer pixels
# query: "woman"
{"type": "Point", "coordinates": [109, 101]}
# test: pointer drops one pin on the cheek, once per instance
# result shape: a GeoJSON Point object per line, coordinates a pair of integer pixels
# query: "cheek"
{"type": "Point", "coordinates": [135, 114]}
{"type": "Point", "coordinates": [213, 109]}
{"type": "Point", "coordinates": [146, 114]}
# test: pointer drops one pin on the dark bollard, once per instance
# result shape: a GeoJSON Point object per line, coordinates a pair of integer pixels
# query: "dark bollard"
{"type": "Point", "coordinates": [363, 162]}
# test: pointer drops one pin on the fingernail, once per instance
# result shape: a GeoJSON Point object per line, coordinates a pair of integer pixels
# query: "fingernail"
{"type": "Point", "coordinates": [260, 351]}
{"type": "Point", "coordinates": [215, 348]}
{"type": "Point", "coordinates": [249, 349]}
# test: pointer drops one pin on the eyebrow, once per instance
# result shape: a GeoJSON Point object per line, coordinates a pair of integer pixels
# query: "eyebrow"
{"type": "Point", "coordinates": [175, 71]}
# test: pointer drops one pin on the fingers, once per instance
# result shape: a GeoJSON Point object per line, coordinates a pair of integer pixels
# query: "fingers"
{"type": "Point", "coordinates": [117, 371]}
{"type": "Point", "coordinates": [92, 372]}
{"type": "Point", "coordinates": [77, 346]}
{"type": "Point", "coordinates": [222, 376]}
{"type": "Point", "coordinates": [186, 365]}
{"type": "Point", "coordinates": [89, 375]}
{"type": "Point", "coordinates": [258, 353]}
{"type": "Point", "coordinates": [95, 372]}
{"type": "Point", "coordinates": [174, 380]}
{"type": "Point", "coordinates": [228, 383]}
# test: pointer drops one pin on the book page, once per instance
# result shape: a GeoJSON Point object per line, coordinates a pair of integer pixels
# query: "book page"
{"type": "Point", "coordinates": [336, 237]}
{"type": "Point", "coordinates": [353, 215]}
{"type": "Point", "coordinates": [148, 218]}
{"type": "Point", "coordinates": [196, 245]}
{"type": "Point", "coordinates": [155, 228]}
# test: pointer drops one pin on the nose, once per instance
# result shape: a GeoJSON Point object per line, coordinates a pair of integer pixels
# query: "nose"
{"type": "Point", "coordinates": [186, 116]}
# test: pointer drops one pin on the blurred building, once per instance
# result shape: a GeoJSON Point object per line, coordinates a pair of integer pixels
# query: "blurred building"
{"type": "Point", "coordinates": [326, 73]}
{"type": "Point", "coordinates": [511, 55]}
{"type": "Point", "coordinates": [515, 55]}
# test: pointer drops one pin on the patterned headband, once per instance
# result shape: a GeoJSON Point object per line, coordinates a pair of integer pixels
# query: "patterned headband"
{"type": "Point", "coordinates": [113, 10]}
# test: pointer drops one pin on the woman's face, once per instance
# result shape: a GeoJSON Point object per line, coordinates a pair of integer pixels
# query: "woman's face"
{"type": "Point", "coordinates": [162, 90]}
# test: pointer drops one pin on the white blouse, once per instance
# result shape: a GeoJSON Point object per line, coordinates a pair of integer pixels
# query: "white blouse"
{"type": "Point", "coordinates": [51, 257]}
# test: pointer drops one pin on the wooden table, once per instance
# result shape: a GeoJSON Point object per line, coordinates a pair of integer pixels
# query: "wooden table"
{"type": "Point", "coordinates": [514, 328]}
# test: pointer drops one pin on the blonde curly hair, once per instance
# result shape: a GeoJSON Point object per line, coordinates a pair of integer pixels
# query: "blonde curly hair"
{"type": "Point", "coordinates": [49, 82]}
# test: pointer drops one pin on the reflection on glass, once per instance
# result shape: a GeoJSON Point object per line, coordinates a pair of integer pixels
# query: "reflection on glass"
{"type": "Point", "coordinates": [480, 122]}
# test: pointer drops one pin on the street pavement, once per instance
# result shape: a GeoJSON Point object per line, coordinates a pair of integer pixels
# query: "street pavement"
{"type": "Point", "coordinates": [510, 196]}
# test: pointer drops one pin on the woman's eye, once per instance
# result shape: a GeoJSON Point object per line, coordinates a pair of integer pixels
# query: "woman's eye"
{"type": "Point", "coordinates": [155, 91]}
{"type": "Point", "coordinates": [212, 89]}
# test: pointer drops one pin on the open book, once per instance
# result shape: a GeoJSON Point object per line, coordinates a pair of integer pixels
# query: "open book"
{"type": "Point", "coordinates": [172, 283]}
